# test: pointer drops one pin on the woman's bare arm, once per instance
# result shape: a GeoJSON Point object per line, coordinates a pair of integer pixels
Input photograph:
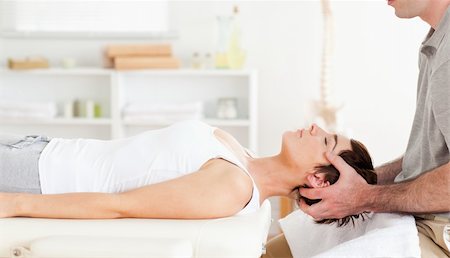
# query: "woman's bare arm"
{"type": "Point", "coordinates": [208, 193]}
{"type": "Point", "coordinates": [67, 206]}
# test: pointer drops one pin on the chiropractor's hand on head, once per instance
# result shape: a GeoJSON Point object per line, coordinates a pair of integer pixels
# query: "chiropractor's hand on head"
{"type": "Point", "coordinates": [344, 198]}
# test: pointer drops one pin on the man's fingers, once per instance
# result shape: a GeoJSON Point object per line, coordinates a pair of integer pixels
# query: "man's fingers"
{"type": "Point", "coordinates": [310, 210]}
{"type": "Point", "coordinates": [338, 162]}
{"type": "Point", "coordinates": [312, 193]}
{"type": "Point", "coordinates": [294, 194]}
{"type": "Point", "coordinates": [303, 206]}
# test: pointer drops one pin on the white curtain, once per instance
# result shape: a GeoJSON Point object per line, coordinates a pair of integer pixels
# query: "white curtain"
{"type": "Point", "coordinates": [115, 16]}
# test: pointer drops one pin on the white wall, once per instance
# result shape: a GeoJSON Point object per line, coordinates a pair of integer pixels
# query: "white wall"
{"type": "Point", "coordinates": [375, 70]}
{"type": "Point", "coordinates": [377, 74]}
{"type": "Point", "coordinates": [375, 63]}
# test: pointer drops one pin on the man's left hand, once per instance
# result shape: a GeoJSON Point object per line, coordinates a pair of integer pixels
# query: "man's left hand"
{"type": "Point", "coordinates": [345, 197]}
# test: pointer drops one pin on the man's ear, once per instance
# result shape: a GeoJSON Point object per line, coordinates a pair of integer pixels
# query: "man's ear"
{"type": "Point", "coordinates": [317, 180]}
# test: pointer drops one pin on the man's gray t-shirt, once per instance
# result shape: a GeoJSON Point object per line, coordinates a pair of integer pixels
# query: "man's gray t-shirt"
{"type": "Point", "coordinates": [429, 141]}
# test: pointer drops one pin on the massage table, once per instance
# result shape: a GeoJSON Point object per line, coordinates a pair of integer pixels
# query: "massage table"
{"type": "Point", "coordinates": [236, 236]}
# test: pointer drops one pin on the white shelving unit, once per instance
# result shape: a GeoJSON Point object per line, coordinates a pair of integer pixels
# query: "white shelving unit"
{"type": "Point", "coordinates": [113, 90]}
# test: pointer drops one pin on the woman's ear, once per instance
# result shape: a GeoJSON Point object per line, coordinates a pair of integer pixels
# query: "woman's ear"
{"type": "Point", "coordinates": [317, 180]}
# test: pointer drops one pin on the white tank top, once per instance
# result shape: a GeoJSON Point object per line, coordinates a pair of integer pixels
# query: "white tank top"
{"type": "Point", "coordinates": [87, 165]}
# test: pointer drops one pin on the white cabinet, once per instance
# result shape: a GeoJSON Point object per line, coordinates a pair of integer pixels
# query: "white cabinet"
{"type": "Point", "coordinates": [113, 90]}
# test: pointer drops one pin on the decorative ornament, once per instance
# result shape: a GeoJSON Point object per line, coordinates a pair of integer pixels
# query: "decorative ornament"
{"type": "Point", "coordinates": [325, 110]}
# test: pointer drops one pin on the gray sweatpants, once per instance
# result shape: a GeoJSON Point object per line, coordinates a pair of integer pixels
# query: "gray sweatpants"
{"type": "Point", "coordinates": [19, 163]}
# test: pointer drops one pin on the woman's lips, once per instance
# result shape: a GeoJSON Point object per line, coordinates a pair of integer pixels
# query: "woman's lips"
{"type": "Point", "coordinates": [390, 2]}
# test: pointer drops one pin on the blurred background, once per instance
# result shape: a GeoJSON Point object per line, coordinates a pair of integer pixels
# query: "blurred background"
{"type": "Point", "coordinates": [113, 68]}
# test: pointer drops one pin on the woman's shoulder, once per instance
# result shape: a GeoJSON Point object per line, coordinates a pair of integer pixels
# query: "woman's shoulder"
{"type": "Point", "coordinates": [230, 176]}
{"type": "Point", "coordinates": [224, 168]}
{"type": "Point", "coordinates": [232, 144]}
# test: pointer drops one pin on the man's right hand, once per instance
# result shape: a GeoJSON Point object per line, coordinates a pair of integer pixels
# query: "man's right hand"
{"type": "Point", "coordinates": [386, 173]}
{"type": "Point", "coordinates": [7, 205]}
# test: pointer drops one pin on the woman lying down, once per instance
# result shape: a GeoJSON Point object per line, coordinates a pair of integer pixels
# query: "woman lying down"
{"type": "Point", "coordinates": [188, 170]}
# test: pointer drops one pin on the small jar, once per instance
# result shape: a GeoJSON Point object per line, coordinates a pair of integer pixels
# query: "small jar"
{"type": "Point", "coordinates": [196, 61]}
{"type": "Point", "coordinates": [77, 112]}
{"type": "Point", "coordinates": [208, 61]}
{"type": "Point", "coordinates": [227, 108]}
{"type": "Point", "coordinates": [97, 110]}
{"type": "Point", "coordinates": [68, 109]}
{"type": "Point", "coordinates": [90, 109]}
{"type": "Point", "coordinates": [68, 63]}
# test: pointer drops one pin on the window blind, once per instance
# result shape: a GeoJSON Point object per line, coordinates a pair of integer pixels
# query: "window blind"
{"type": "Point", "coordinates": [84, 16]}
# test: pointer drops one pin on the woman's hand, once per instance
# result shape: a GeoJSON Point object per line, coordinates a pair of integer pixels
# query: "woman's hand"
{"type": "Point", "coordinates": [7, 205]}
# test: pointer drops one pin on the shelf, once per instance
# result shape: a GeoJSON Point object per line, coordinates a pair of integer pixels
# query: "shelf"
{"type": "Point", "coordinates": [213, 122]}
{"type": "Point", "coordinates": [228, 122]}
{"type": "Point", "coordinates": [189, 72]}
{"type": "Point", "coordinates": [95, 35]}
{"type": "Point", "coordinates": [120, 87]}
{"type": "Point", "coordinates": [55, 121]}
{"type": "Point", "coordinates": [109, 72]}
{"type": "Point", "coordinates": [60, 71]}
{"type": "Point", "coordinates": [107, 121]}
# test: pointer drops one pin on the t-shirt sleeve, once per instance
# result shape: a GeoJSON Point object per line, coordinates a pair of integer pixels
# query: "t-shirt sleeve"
{"type": "Point", "coordinates": [441, 99]}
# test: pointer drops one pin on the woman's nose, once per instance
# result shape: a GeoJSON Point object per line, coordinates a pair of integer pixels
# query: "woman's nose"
{"type": "Point", "coordinates": [313, 129]}
{"type": "Point", "coordinates": [316, 130]}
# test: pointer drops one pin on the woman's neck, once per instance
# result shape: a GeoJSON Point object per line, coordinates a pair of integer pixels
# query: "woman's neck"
{"type": "Point", "coordinates": [273, 176]}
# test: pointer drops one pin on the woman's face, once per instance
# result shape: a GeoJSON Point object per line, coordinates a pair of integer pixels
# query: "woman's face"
{"type": "Point", "coordinates": [306, 148]}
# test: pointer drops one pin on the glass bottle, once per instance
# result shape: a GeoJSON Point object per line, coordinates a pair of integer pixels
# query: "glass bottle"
{"type": "Point", "coordinates": [235, 52]}
{"type": "Point", "coordinates": [223, 32]}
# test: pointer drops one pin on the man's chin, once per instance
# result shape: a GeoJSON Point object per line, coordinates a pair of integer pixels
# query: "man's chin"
{"type": "Point", "coordinates": [403, 15]}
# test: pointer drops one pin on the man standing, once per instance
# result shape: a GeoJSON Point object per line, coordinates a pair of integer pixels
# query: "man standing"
{"type": "Point", "coordinates": [418, 183]}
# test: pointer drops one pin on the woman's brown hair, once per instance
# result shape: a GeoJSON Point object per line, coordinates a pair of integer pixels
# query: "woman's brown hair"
{"type": "Point", "coordinates": [359, 159]}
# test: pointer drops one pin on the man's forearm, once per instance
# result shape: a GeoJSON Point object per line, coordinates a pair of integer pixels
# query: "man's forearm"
{"type": "Point", "coordinates": [429, 193]}
{"type": "Point", "coordinates": [72, 205]}
{"type": "Point", "coordinates": [386, 173]}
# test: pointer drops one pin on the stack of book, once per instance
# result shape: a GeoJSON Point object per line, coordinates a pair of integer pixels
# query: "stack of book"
{"type": "Point", "coordinates": [150, 56]}
{"type": "Point", "coordinates": [28, 63]}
